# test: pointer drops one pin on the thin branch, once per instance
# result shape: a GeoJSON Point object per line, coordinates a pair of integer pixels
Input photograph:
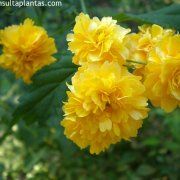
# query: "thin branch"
{"type": "Point", "coordinates": [83, 6]}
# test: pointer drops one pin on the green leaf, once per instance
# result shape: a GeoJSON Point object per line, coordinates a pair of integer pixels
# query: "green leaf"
{"type": "Point", "coordinates": [151, 141]}
{"type": "Point", "coordinates": [168, 17]}
{"type": "Point", "coordinates": [173, 146]}
{"type": "Point", "coordinates": [145, 170]}
{"type": "Point", "coordinates": [1, 167]}
{"type": "Point", "coordinates": [45, 95]}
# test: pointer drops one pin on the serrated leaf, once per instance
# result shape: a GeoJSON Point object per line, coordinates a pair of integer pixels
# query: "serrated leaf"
{"type": "Point", "coordinates": [168, 17]}
{"type": "Point", "coordinates": [45, 95]}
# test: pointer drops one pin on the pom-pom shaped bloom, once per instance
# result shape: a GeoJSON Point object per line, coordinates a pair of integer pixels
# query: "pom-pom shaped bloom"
{"type": "Point", "coordinates": [96, 40]}
{"type": "Point", "coordinates": [139, 45]}
{"type": "Point", "coordinates": [105, 104]}
{"type": "Point", "coordinates": [26, 49]}
{"type": "Point", "coordinates": [162, 79]}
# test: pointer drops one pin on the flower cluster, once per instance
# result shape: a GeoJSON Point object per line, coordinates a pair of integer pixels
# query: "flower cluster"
{"type": "Point", "coordinates": [106, 103]}
{"type": "Point", "coordinates": [26, 49]}
{"type": "Point", "coordinates": [159, 49]}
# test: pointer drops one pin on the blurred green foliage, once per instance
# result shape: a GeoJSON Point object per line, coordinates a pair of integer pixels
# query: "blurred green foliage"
{"type": "Point", "coordinates": [35, 147]}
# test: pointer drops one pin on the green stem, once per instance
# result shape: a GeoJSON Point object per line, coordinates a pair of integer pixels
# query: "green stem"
{"type": "Point", "coordinates": [125, 65]}
{"type": "Point", "coordinates": [83, 6]}
{"type": "Point", "coordinates": [138, 62]}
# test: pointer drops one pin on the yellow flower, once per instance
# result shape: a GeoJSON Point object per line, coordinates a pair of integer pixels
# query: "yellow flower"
{"type": "Point", "coordinates": [162, 78]}
{"type": "Point", "coordinates": [96, 40]}
{"type": "Point", "coordinates": [135, 53]}
{"type": "Point", "coordinates": [105, 104]}
{"type": "Point", "coordinates": [150, 35]}
{"type": "Point", "coordinates": [139, 45]}
{"type": "Point", "coordinates": [26, 49]}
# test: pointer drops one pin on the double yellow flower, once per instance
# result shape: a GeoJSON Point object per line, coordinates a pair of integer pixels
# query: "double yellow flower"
{"type": "Point", "coordinates": [26, 49]}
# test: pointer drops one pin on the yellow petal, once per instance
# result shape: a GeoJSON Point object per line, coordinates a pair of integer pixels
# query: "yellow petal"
{"type": "Point", "coordinates": [105, 125]}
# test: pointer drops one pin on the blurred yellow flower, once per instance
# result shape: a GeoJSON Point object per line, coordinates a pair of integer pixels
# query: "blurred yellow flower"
{"type": "Point", "coordinates": [105, 104]}
{"type": "Point", "coordinates": [162, 78]}
{"type": "Point", "coordinates": [26, 49]}
{"type": "Point", "coordinates": [139, 45]}
{"type": "Point", "coordinates": [96, 40]}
